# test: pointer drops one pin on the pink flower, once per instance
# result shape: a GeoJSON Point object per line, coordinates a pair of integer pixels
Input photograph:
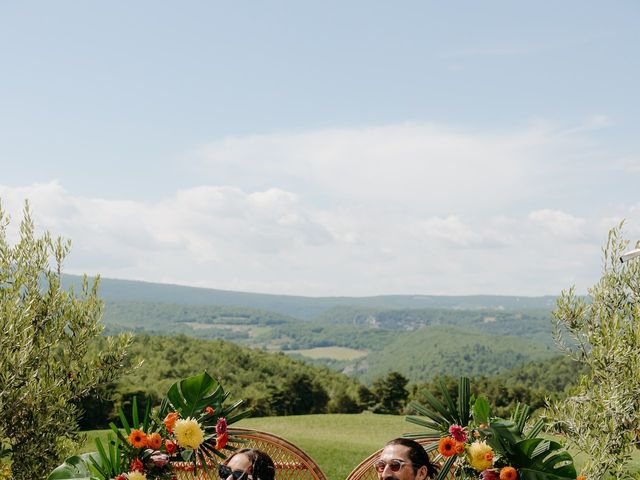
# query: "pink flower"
{"type": "Point", "coordinates": [221, 426]}
{"type": "Point", "coordinates": [489, 474]}
{"type": "Point", "coordinates": [458, 433]}
{"type": "Point", "coordinates": [160, 459]}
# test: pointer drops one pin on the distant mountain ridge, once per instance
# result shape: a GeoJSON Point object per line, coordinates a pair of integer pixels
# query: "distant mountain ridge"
{"type": "Point", "coordinates": [305, 308]}
{"type": "Point", "coordinates": [420, 336]}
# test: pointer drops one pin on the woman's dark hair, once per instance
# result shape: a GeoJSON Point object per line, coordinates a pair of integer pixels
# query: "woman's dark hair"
{"type": "Point", "coordinates": [417, 455]}
{"type": "Point", "coordinates": [262, 467]}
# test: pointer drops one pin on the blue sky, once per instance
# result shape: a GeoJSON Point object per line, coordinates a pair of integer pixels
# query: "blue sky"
{"type": "Point", "coordinates": [344, 148]}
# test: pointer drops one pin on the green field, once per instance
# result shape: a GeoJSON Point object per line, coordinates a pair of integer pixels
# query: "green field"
{"type": "Point", "coordinates": [336, 442]}
{"type": "Point", "coordinates": [335, 353]}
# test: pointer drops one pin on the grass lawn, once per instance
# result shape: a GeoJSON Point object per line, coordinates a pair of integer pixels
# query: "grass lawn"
{"type": "Point", "coordinates": [336, 442]}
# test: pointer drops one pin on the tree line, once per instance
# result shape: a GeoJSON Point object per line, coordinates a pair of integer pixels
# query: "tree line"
{"type": "Point", "coordinates": [274, 384]}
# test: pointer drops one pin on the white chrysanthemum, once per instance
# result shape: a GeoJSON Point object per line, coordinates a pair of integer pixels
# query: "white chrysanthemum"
{"type": "Point", "coordinates": [188, 433]}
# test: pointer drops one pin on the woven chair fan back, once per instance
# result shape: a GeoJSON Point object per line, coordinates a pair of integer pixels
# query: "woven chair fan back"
{"type": "Point", "coordinates": [366, 471]}
{"type": "Point", "coordinates": [291, 462]}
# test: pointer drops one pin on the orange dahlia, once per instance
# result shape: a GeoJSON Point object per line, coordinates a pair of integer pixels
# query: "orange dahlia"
{"type": "Point", "coordinates": [581, 477]}
{"type": "Point", "coordinates": [459, 447]}
{"type": "Point", "coordinates": [447, 446]}
{"type": "Point", "coordinates": [138, 438]}
{"type": "Point", "coordinates": [170, 420]}
{"type": "Point", "coordinates": [508, 473]}
{"type": "Point", "coordinates": [154, 441]}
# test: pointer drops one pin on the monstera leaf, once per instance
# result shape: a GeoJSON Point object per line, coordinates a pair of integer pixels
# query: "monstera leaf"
{"type": "Point", "coordinates": [192, 395]}
{"type": "Point", "coordinates": [543, 459]}
{"type": "Point", "coordinates": [76, 467]}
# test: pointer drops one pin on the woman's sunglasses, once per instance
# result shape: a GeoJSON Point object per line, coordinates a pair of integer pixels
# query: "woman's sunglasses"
{"type": "Point", "coordinates": [224, 472]}
{"type": "Point", "coordinates": [394, 465]}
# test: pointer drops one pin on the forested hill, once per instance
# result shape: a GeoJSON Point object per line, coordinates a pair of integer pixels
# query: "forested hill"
{"type": "Point", "coordinates": [364, 337]}
{"type": "Point", "coordinates": [270, 383]}
{"type": "Point", "coordinates": [301, 307]}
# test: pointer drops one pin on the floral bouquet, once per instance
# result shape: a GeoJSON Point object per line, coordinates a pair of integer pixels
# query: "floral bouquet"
{"type": "Point", "coordinates": [190, 427]}
{"type": "Point", "coordinates": [480, 446]}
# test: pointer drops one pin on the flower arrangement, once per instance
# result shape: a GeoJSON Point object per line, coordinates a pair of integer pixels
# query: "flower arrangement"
{"type": "Point", "coordinates": [479, 446]}
{"type": "Point", "coordinates": [190, 426]}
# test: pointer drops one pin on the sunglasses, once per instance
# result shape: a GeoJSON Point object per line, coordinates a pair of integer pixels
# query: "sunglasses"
{"type": "Point", "coordinates": [394, 465]}
{"type": "Point", "coordinates": [224, 472]}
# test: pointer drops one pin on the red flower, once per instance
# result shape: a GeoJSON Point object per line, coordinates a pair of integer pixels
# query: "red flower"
{"type": "Point", "coordinates": [170, 447]}
{"type": "Point", "coordinates": [210, 410]}
{"type": "Point", "coordinates": [221, 441]}
{"type": "Point", "coordinates": [121, 477]}
{"type": "Point", "coordinates": [136, 466]}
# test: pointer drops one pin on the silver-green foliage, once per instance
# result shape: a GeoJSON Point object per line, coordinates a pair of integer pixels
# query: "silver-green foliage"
{"type": "Point", "coordinates": [601, 417]}
{"type": "Point", "coordinates": [45, 364]}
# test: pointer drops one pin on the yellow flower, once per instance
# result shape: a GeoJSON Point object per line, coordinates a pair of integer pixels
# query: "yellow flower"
{"type": "Point", "coordinates": [188, 433]}
{"type": "Point", "coordinates": [136, 476]}
{"type": "Point", "coordinates": [480, 456]}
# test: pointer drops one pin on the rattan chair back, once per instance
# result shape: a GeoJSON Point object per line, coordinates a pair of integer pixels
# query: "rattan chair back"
{"type": "Point", "coordinates": [291, 462]}
{"type": "Point", "coordinates": [366, 471]}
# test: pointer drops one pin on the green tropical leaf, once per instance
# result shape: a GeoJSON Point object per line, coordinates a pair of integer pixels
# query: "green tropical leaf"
{"type": "Point", "coordinates": [464, 392]}
{"type": "Point", "coordinates": [75, 467]}
{"type": "Point", "coordinates": [535, 429]}
{"type": "Point", "coordinates": [481, 410]}
{"type": "Point", "coordinates": [134, 413]}
{"type": "Point", "coordinates": [191, 395]}
{"type": "Point", "coordinates": [438, 412]}
{"type": "Point", "coordinates": [442, 474]}
{"type": "Point", "coordinates": [504, 436]}
{"type": "Point", "coordinates": [442, 424]}
{"type": "Point", "coordinates": [452, 412]}
{"type": "Point", "coordinates": [520, 416]}
{"type": "Point", "coordinates": [424, 423]}
{"type": "Point", "coordinates": [539, 458]}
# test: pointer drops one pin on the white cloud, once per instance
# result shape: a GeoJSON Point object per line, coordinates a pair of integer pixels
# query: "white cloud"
{"type": "Point", "coordinates": [558, 224]}
{"type": "Point", "coordinates": [412, 208]}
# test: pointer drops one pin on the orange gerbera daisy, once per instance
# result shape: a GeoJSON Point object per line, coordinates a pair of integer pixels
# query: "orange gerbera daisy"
{"type": "Point", "coordinates": [508, 473]}
{"type": "Point", "coordinates": [447, 446]}
{"type": "Point", "coordinates": [154, 441]}
{"type": "Point", "coordinates": [138, 438]}
{"type": "Point", "coordinates": [459, 447]}
{"type": "Point", "coordinates": [581, 477]}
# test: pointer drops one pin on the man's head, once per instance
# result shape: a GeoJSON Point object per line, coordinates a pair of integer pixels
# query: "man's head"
{"type": "Point", "coordinates": [404, 459]}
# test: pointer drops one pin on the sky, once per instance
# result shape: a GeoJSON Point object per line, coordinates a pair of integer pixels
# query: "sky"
{"type": "Point", "coordinates": [325, 148]}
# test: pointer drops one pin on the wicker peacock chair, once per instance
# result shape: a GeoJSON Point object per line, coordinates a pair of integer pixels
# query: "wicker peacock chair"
{"type": "Point", "coordinates": [291, 463]}
{"type": "Point", "coordinates": [366, 471]}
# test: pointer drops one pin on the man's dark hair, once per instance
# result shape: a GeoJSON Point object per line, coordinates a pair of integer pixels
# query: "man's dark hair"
{"type": "Point", "coordinates": [262, 467]}
{"type": "Point", "coordinates": [417, 455]}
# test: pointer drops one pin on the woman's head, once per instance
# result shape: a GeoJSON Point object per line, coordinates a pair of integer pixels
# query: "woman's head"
{"type": "Point", "coordinates": [248, 464]}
